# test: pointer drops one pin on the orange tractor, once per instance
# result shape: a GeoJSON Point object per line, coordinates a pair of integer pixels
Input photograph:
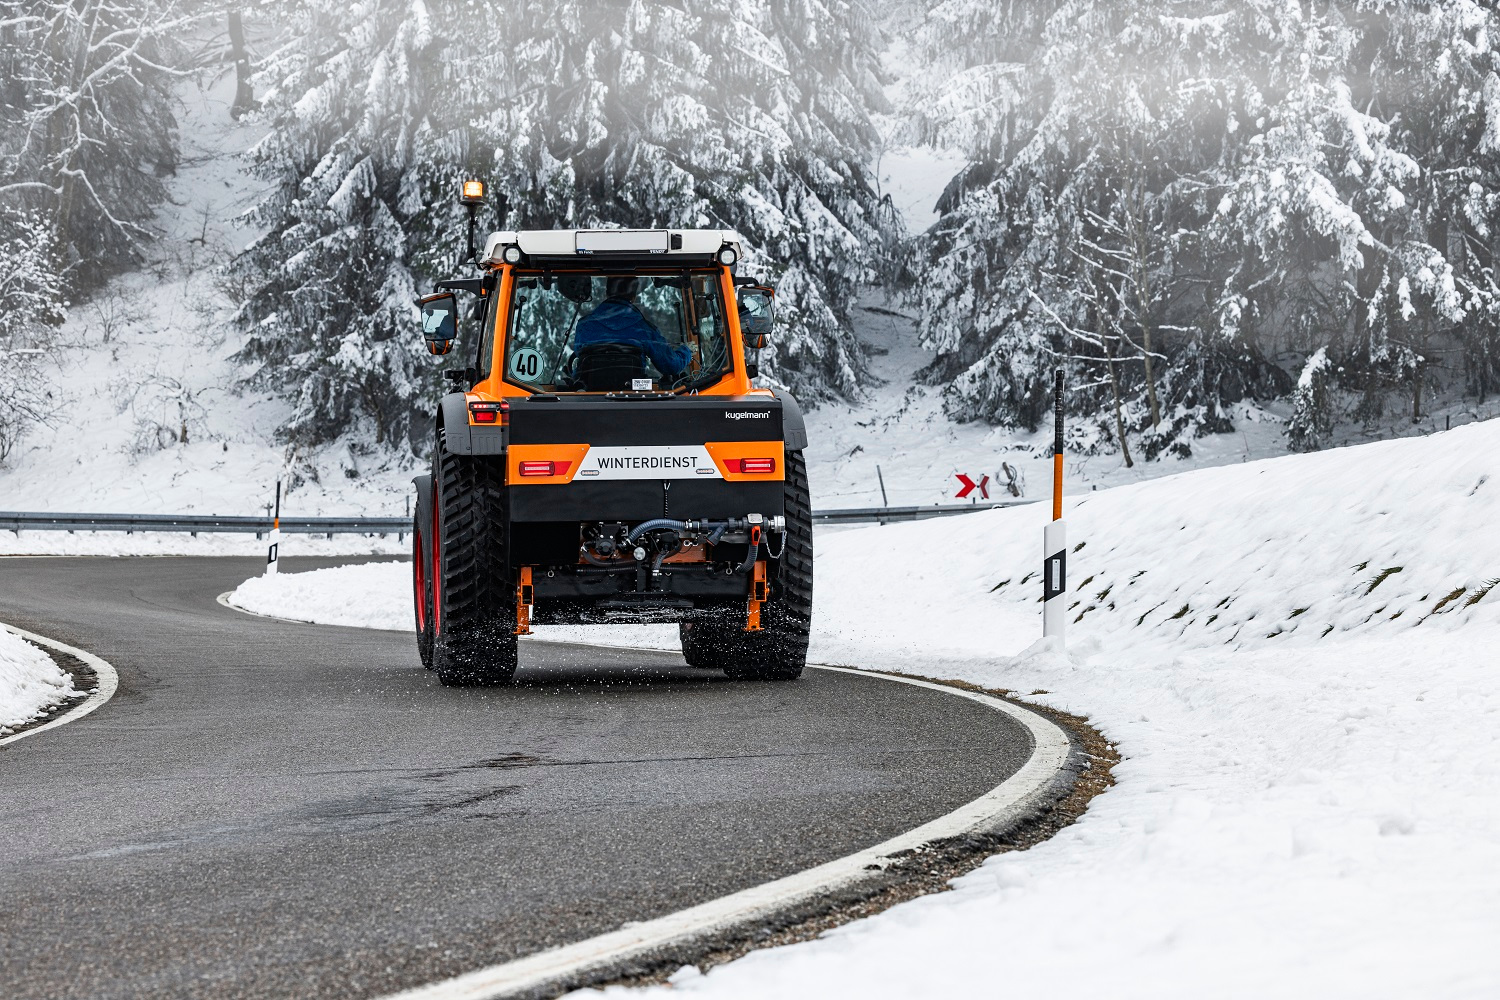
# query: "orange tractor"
{"type": "Point", "coordinates": [606, 457]}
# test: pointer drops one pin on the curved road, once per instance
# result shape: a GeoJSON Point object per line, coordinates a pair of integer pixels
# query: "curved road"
{"type": "Point", "coordinates": [267, 809]}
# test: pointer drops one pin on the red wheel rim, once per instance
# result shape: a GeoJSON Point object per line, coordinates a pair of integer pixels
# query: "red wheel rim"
{"type": "Point", "coordinates": [437, 570]}
{"type": "Point", "coordinates": [419, 580]}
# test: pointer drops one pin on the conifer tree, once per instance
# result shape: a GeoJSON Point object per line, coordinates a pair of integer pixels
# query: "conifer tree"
{"type": "Point", "coordinates": [754, 117]}
{"type": "Point", "coordinates": [1205, 190]}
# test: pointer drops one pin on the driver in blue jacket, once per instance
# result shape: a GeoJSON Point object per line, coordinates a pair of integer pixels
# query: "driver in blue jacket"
{"type": "Point", "coordinates": [618, 320]}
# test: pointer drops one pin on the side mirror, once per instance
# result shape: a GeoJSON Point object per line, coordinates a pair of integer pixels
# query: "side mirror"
{"type": "Point", "coordinates": [757, 312]}
{"type": "Point", "coordinates": [439, 321]}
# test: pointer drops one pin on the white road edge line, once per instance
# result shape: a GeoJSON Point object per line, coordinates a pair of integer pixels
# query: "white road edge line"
{"type": "Point", "coordinates": [104, 689]}
{"type": "Point", "coordinates": [1012, 798]}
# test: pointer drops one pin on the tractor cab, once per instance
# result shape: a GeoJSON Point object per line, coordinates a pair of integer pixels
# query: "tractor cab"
{"type": "Point", "coordinates": [607, 310]}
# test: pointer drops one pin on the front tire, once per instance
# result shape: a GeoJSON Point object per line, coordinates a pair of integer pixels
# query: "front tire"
{"type": "Point", "coordinates": [704, 644]}
{"type": "Point", "coordinates": [474, 598]}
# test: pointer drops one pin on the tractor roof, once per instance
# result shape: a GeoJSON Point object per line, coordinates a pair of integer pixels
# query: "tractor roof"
{"type": "Point", "coordinates": [590, 246]}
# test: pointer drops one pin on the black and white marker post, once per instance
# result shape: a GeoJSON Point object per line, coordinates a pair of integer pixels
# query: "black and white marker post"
{"type": "Point", "coordinates": [275, 534]}
{"type": "Point", "coordinates": [1055, 537]}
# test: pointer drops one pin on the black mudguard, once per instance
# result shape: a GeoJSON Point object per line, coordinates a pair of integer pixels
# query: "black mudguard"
{"type": "Point", "coordinates": [792, 425]}
{"type": "Point", "coordinates": [424, 501]}
{"type": "Point", "coordinates": [463, 438]}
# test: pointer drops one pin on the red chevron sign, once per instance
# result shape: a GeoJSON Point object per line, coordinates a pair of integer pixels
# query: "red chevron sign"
{"type": "Point", "coordinates": [983, 486]}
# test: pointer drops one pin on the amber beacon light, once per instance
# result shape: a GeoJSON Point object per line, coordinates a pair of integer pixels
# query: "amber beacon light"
{"type": "Point", "coordinates": [471, 196]}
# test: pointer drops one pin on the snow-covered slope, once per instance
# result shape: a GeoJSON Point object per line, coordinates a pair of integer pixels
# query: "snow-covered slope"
{"type": "Point", "coordinates": [29, 682]}
{"type": "Point", "coordinates": [1296, 660]}
{"type": "Point", "coordinates": [145, 358]}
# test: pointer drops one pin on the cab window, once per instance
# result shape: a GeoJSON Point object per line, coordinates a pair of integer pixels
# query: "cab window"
{"type": "Point", "coordinates": [586, 331]}
{"type": "Point", "coordinates": [486, 347]}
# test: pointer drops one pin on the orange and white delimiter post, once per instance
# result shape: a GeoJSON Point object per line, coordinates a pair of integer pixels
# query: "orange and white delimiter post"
{"type": "Point", "coordinates": [1055, 537]}
{"type": "Point", "coordinates": [271, 553]}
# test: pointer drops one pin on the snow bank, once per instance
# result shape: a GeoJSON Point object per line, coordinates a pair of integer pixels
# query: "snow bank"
{"type": "Point", "coordinates": [368, 595]}
{"type": "Point", "coordinates": [378, 595]}
{"type": "Point", "coordinates": [1295, 659]}
{"type": "Point", "coordinates": [29, 682]}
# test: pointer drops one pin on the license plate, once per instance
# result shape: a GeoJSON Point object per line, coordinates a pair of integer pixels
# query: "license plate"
{"type": "Point", "coordinates": [674, 461]}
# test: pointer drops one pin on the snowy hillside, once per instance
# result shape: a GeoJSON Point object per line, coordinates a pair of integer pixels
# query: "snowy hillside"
{"type": "Point", "coordinates": [148, 415]}
{"type": "Point", "coordinates": [1296, 660]}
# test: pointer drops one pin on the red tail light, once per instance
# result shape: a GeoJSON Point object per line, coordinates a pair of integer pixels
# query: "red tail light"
{"type": "Point", "coordinates": [545, 468]}
{"type": "Point", "coordinates": [752, 466]}
{"type": "Point", "coordinates": [489, 412]}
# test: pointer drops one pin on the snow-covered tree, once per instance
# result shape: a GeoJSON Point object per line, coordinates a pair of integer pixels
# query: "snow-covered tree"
{"type": "Point", "coordinates": [1312, 405]}
{"type": "Point", "coordinates": [1436, 81]}
{"type": "Point", "coordinates": [87, 136]}
{"type": "Point", "coordinates": [86, 125]}
{"type": "Point", "coordinates": [1212, 187]}
{"type": "Point", "coordinates": [31, 307]}
{"type": "Point", "coordinates": [1084, 211]}
{"type": "Point", "coordinates": [750, 116]}
{"type": "Point", "coordinates": [330, 304]}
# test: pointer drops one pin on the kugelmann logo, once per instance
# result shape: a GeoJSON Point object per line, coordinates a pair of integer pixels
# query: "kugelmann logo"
{"type": "Point", "coordinates": [747, 414]}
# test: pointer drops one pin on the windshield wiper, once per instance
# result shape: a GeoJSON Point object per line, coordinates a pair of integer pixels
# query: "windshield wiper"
{"type": "Point", "coordinates": [703, 381]}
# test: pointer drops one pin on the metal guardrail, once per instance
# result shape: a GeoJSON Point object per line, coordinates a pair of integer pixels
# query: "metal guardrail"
{"type": "Point", "coordinates": [18, 521]}
{"type": "Point", "coordinates": [35, 521]}
{"type": "Point", "coordinates": [883, 515]}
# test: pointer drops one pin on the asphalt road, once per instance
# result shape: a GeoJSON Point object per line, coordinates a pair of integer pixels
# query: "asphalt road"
{"type": "Point", "coordinates": [269, 809]}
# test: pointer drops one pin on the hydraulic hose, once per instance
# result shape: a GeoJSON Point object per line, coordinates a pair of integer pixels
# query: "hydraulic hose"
{"type": "Point", "coordinates": [660, 522]}
{"type": "Point", "coordinates": [594, 560]}
{"type": "Point", "coordinates": [751, 556]}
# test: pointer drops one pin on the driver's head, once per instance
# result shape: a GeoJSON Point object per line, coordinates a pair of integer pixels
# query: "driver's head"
{"type": "Point", "coordinates": [623, 287]}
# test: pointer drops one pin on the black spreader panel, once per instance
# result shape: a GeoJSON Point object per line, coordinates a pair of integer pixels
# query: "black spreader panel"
{"type": "Point", "coordinates": [604, 422]}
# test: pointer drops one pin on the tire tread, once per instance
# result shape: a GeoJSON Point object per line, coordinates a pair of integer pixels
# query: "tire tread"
{"type": "Point", "coordinates": [476, 641]}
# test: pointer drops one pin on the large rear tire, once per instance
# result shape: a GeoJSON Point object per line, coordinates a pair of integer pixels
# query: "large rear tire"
{"type": "Point", "coordinates": [778, 652]}
{"type": "Point", "coordinates": [474, 598]}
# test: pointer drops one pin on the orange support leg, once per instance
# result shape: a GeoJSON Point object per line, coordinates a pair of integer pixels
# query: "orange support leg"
{"type": "Point", "coordinates": [757, 596]}
{"type": "Point", "coordinates": [525, 598]}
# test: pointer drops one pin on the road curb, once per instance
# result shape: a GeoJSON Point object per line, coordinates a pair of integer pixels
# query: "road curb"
{"type": "Point", "coordinates": [108, 682]}
{"type": "Point", "coordinates": [223, 599]}
{"type": "Point", "coordinates": [1040, 781]}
